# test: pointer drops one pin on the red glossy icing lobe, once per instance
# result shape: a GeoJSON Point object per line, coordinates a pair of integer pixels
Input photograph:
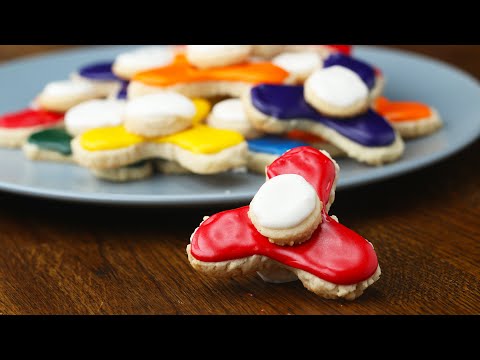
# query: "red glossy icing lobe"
{"type": "Point", "coordinates": [314, 166]}
{"type": "Point", "coordinates": [29, 118]}
{"type": "Point", "coordinates": [334, 253]}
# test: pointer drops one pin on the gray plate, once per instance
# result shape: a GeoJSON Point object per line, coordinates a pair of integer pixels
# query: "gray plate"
{"type": "Point", "coordinates": [455, 93]}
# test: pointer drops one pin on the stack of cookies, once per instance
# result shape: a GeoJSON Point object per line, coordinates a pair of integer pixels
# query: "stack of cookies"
{"type": "Point", "coordinates": [206, 109]}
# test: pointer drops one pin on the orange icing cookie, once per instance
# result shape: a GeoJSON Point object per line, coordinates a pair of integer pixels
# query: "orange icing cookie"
{"type": "Point", "coordinates": [181, 72]}
{"type": "Point", "coordinates": [399, 111]}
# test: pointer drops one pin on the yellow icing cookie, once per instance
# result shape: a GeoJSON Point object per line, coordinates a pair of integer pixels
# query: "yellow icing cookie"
{"type": "Point", "coordinates": [202, 139]}
{"type": "Point", "coordinates": [203, 108]}
{"type": "Point", "coordinates": [109, 138]}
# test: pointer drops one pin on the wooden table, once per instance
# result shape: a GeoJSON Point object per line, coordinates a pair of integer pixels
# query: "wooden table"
{"type": "Point", "coordinates": [73, 259]}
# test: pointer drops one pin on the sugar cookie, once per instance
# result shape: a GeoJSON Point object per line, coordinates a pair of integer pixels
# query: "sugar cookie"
{"type": "Point", "coordinates": [410, 119]}
{"type": "Point", "coordinates": [94, 114]}
{"type": "Point", "coordinates": [16, 127]}
{"type": "Point", "coordinates": [267, 51]}
{"type": "Point", "coordinates": [53, 145]}
{"type": "Point", "coordinates": [201, 150]}
{"type": "Point", "coordinates": [367, 138]}
{"type": "Point", "coordinates": [128, 64]}
{"type": "Point", "coordinates": [286, 209]}
{"type": "Point", "coordinates": [316, 142]}
{"type": "Point", "coordinates": [208, 56]}
{"type": "Point", "coordinates": [183, 78]}
{"type": "Point", "coordinates": [300, 65]}
{"type": "Point", "coordinates": [159, 114]}
{"type": "Point", "coordinates": [230, 115]}
{"type": "Point", "coordinates": [371, 76]}
{"type": "Point", "coordinates": [337, 91]}
{"type": "Point", "coordinates": [60, 96]}
{"type": "Point", "coordinates": [100, 76]}
{"type": "Point", "coordinates": [334, 262]}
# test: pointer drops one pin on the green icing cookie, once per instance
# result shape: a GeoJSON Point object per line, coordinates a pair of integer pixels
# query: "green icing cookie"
{"type": "Point", "coordinates": [57, 140]}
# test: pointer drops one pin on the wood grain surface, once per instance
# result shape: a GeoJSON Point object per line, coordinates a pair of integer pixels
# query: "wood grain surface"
{"type": "Point", "coordinates": [60, 258]}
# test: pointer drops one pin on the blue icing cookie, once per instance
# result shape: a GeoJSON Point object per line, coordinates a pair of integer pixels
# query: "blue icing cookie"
{"type": "Point", "coordinates": [274, 145]}
{"type": "Point", "coordinates": [286, 102]}
{"type": "Point", "coordinates": [101, 71]}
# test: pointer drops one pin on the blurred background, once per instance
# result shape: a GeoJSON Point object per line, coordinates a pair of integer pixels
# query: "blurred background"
{"type": "Point", "coordinates": [463, 56]}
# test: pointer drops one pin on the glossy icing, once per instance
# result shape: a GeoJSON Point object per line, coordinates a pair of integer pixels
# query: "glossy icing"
{"type": "Point", "coordinates": [182, 72]}
{"type": "Point", "coordinates": [109, 138]}
{"type": "Point", "coordinates": [274, 145]}
{"type": "Point", "coordinates": [283, 202]}
{"type": "Point", "coordinates": [344, 49]}
{"type": "Point", "coordinates": [286, 102]}
{"type": "Point", "coordinates": [399, 111]}
{"type": "Point", "coordinates": [334, 253]}
{"type": "Point", "coordinates": [30, 118]}
{"type": "Point", "coordinates": [338, 86]}
{"type": "Point", "coordinates": [202, 139]}
{"type": "Point", "coordinates": [122, 94]}
{"type": "Point", "coordinates": [101, 71]}
{"type": "Point", "coordinates": [203, 108]}
{"type": "Point", "coordinates": [312, 165]}
{"type": "Point", "coordinates": [199, 139]}
{"type": "Point", "coordinates": [160, 105]}
{"type": "Point", "coordinates": [362, 69]}
{"type": "Point", "coordinates": [94, 114]}
{"type": "Point", "coordinates": [57, 140]}
{"type": "Point", "coordinates": [304, 137]}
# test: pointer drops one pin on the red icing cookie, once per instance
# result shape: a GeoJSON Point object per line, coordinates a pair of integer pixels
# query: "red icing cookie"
{"type": "Point", "coordinates": [29, 118]}
{"type": "Point", "coordinates": [345, 49]}
{"type": "Point", "coordinates": [334, 253]}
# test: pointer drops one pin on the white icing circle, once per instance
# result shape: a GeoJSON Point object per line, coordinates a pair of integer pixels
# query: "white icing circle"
{"type": "Point", "coordinates": [299, 63]}
{"type": "Point", "coordinates": [68, 88]}
{"type": "Point", "coordinates": [94, 114]}
{"type": "Point", "coordinates": [160, 105]}
{"type": "Point", "coordinates": [230, 110]}
{"type": "Point", "coordinates": [338, 86]}
{"type": "Point", "coordinates": [283, 202]}
{"type": "Point", "coordinates": [145, 58]}
{"type": "Point", "coordinates": [211, 49]}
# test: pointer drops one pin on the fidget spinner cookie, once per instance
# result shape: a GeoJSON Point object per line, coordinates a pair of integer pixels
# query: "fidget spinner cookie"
{"type": "Point", "coordinates": [366, 137]}
{"type": "Point", "coordinates": [287, 229]}
{"type": "Point", "coordinates": [164, 126]}
{"type": "Point", "coordinates": [191, 81]}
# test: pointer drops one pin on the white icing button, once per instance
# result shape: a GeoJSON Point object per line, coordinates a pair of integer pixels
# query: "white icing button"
{"type": "Point", "coordinates": [299, 63]}
{"type": "Point", "coordinates": [94, 114]}
{"type": "Point", "coordinates": [145, 58]}
{"type": "Point", "coordinates": [159, 105]}
{"type": "Point", "coordinates": [338, 86]}
{"type": "Point", "coordinates": [230, 110]}
{"type": "Point", "coordinates": [68, 88]}
{"type": "Point", "coordinates": [283, 202]}
{"type": "Point", "coordinates": [207, 49]}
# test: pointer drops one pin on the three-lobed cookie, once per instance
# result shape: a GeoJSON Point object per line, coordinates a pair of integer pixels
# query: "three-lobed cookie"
{"type": "Point", "coordinates": [229, 244]}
